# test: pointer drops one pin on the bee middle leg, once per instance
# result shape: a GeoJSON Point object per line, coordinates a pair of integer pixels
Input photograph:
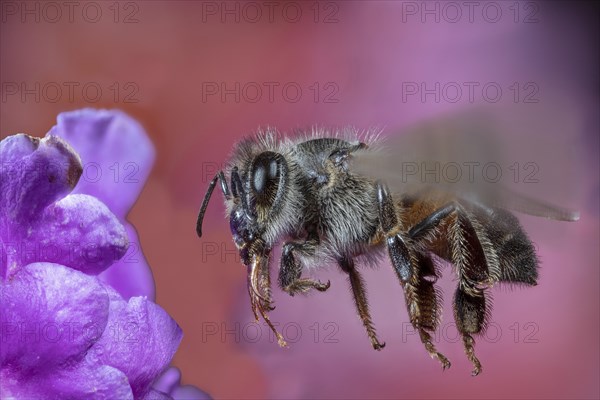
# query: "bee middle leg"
{"type": "Point", "coordinates": [416, 273]}
{"type": "Point", "coordinates": [291, 269]}
{"type": "Point", "coordinates": [360, 299]}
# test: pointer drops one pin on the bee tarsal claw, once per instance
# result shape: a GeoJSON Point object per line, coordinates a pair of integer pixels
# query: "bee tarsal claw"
{"type": "Point", "coordinates": [445, 363]}
{"type": "Point", "coordinates": [378, 346]}
{"type": "Point", "coordinates": [281, 341]}
{"type": "Point", "coordinates": [323, 286]}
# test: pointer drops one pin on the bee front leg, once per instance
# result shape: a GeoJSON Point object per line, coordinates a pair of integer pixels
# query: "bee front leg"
{"type": "Point", "coordinates": [291, 270]}
{"type": "Point", "coordinates": [412, 269]}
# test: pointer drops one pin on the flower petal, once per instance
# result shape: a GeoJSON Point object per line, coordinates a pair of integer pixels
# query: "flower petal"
{"type": "Point", "coordinates": [5, 250]}
{"type": "Point", "coordinates": [140, 340]}
{"type": "Point", "coordinates": [78, 231]}
{"type": "Point", "coordinates": [189, 392]}
{"type": "Point", "coordinates": [81, 382]}
{"type": "Point", "coordinates": [116, 152]}
{"type": "Point", "coordinates": [131, 275]}
{"type": "Point", "coordinates": [15, 147]}
{"type": "Point", "coordinates": [90, 381]}
{"type": "Point", "coordinates": [35, 174]}
{"type": "Point", "coordinates": [50, 314]}
{"type": "Point", "coordinates": [168, 381]}
{"type": "Point", "coordinates": [154, 394]}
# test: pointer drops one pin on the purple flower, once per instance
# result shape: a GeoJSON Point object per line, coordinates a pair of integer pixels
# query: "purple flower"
{"type": "Point", "coordinates": [117, 158]}
{"type": "Point", "coordinates": [72, 324]}
{"type": "Point", "coordinates": [169, 384]}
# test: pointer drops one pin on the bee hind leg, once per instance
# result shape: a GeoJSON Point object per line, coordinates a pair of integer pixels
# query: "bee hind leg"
{"type": "Point", "coordinates": [470, 316]}
{"type": "Point", "coordinates": [470, 252]}
{"type": "Point", "coordinates": [416, 273]}
{"type": "Point", "coordinates": [360, 299]}
{"type": "Point", "coordinates": [291, 270]}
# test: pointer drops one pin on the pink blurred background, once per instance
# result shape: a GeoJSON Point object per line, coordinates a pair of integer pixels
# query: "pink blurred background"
{"type": "Point", "coordinates": [351, 60]}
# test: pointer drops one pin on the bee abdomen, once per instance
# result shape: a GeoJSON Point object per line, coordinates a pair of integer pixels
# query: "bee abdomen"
{"type": "Point", "coordinates": [518, 261]}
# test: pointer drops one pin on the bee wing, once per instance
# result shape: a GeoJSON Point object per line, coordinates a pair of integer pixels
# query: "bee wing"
{"type": "Point", "coordinates": [467, 156]}
{"type": "Point", "coordinates": [505, 198]}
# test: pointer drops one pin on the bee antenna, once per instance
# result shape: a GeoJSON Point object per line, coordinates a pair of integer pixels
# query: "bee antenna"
{"type": "Point", "coordinates": [207, 196]}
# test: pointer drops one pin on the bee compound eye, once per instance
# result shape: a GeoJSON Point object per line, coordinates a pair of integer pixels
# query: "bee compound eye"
{"type": "Point", "coordinates": [259, 178]}
{"type": "Point", "coordinates": [273, 167]}
{"type": "Point", "coordinates": [267, 181]}
{"type": "Point", "coordinates": [265, 170]}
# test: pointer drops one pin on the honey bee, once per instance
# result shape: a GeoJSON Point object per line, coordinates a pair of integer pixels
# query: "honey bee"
{"type": "Point", "coordinates": [304, 194]}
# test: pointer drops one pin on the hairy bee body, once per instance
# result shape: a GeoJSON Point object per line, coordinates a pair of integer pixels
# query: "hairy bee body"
{"type": "Point", "coordinates": [302, 193]}
{"type": "Point", "coordinates": [339, 205]}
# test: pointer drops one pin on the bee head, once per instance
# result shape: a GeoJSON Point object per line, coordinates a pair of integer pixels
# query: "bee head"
{"type": "Point", "coordinates": [258, 193]}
